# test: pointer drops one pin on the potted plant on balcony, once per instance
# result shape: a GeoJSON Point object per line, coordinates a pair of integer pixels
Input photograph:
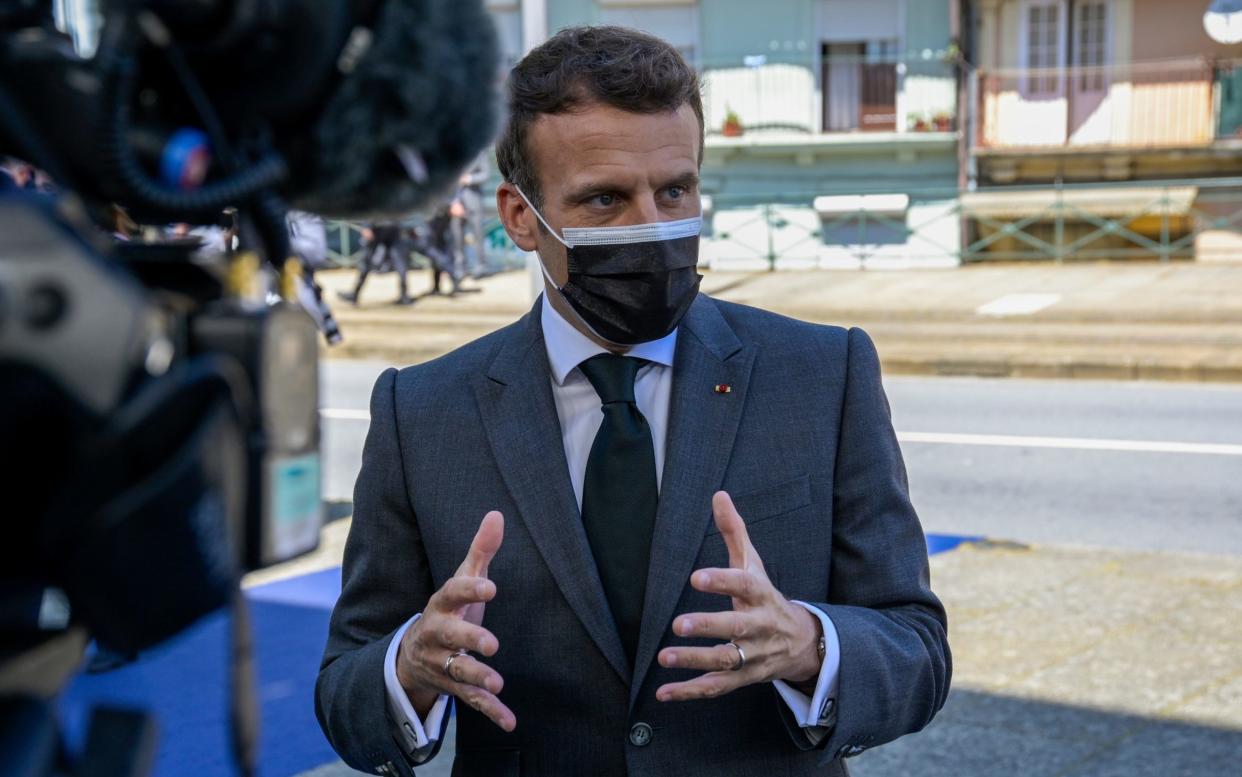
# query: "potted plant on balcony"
{"type": "Point", "coordinates": [732, 127]}
{"type": "Point", "coordinates": [943, 121]}
{"type": "Point", "coordinates": [917, 122]}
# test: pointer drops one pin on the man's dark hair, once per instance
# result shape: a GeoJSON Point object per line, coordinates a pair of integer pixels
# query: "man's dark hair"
{"type": "Point", "coordinates": [578, 66]}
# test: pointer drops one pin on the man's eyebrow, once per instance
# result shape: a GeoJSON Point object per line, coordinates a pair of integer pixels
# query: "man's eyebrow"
{"type": "Point", "coordinates": [593, 188]}
{"type": "Point", "coordinates": [688, 180]}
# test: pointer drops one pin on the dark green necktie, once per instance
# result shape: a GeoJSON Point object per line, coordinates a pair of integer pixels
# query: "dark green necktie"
{"type": "Point", "coordinates": [619, 492]}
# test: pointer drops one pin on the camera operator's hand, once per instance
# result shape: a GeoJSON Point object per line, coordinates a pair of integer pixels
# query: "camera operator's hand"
{"type": "Point", "coordinates": [451, 624]}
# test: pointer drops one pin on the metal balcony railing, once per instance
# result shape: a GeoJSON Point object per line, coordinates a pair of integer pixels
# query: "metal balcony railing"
{"type": "Point", "coordinates": [835, 95]}
{"type": "Point", "coordinates": [1141, 105]}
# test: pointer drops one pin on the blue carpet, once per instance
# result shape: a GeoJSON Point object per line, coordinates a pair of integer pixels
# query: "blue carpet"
{"type": "Point", "coordinates": [940, 543]}
{"type": "Point", "coordinates": [184, 682]}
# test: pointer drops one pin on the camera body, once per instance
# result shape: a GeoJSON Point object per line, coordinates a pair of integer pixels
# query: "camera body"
{"type": "Point", "coordinates": [194, 455]}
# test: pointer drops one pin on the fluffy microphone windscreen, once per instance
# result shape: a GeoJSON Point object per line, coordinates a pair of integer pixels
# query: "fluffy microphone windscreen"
{"type": "Point", "coordinates": [430, 83]}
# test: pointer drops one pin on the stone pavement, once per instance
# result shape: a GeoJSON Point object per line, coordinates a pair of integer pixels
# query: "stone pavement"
{"type": "Point", "coordinates": [1077, 662]}
{"type": "Point", "coordinates": [1068, 662]}
{"type": "Point", "coordinates": [1179, 321]}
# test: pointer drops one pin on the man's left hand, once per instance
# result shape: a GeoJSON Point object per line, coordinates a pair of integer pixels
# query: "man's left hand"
{"type": "Point", "coordinates": [779, 638]}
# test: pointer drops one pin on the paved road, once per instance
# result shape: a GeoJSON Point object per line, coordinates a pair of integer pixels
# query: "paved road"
{"type": "Point", "coordinates": [1123, 496]}
{"type": "Point", "coordinates": [1120, 465]}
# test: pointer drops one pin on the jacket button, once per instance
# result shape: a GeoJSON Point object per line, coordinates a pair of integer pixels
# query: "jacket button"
{"type": "Point", "coordinates": [640, 735]}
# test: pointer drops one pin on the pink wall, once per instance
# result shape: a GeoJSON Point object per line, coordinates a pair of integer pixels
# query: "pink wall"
{"type": "Point", "coordinates": [1167, 29]}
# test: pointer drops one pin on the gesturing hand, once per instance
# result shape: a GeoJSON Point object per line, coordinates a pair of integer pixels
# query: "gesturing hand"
{"type": "Point", "coordinates": [451, 623]}
{"type": "Point", "coordinates": [779, 638]}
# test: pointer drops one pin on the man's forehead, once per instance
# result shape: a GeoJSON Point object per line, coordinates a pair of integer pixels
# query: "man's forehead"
{"type": "Point", "coordinates": [600, 140]}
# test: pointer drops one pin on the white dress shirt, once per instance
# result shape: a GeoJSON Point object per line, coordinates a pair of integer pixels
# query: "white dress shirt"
{"type": "Point", "coordinates": [578, 408]}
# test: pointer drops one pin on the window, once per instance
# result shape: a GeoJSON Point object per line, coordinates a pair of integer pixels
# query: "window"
{"type": "Point", "coordinates": [859, 82]}
{"type": "Point", "coordinates": [1043, 48]}
{"type": "Point", "coordinates": [1091, 45]}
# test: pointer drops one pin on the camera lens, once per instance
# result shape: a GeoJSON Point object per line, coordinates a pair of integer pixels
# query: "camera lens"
{"type": "Point", "coordinates": [45, 306]}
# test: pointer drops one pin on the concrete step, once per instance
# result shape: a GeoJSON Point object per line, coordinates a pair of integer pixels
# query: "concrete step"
{"type": "Point", "coordinates": [1167, 323]}
{"type": "Point", "coordinates": [1205, 353]}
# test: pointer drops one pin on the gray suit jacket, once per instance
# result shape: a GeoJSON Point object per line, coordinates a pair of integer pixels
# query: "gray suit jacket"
{"type": "Point", "coordinates": [805, 445]}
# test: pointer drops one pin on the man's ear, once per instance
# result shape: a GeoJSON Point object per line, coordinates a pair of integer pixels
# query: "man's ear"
{"type": "Point", "coordinates": [516, 215]}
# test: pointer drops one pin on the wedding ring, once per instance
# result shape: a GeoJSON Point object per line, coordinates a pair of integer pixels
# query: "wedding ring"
{"type": "Point", "coordinates": [448, 664]}
{"type": "Point", "coordinates": [741, 656]}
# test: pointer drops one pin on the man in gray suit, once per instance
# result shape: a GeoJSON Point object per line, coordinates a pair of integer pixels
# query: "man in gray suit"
{"type": "Point", "coordinates": [640, 531]}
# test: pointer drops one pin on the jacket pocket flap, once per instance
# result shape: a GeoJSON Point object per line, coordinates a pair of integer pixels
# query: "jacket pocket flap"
{"type": "Point", "coordinates": [771, 501]}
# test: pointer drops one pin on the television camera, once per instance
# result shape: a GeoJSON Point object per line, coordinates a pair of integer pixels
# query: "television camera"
{"type": "Point", "coordinates": [159, 428]}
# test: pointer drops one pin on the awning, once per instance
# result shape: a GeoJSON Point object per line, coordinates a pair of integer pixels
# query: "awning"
{"type": "Point", "coordinates": [1107, 202]}
{"type": "Point", "coordinates": [837, 204]}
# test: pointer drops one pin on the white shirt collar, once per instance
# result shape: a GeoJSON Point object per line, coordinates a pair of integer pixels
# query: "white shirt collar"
{"type": "Point", "coordinates": [567, 347]}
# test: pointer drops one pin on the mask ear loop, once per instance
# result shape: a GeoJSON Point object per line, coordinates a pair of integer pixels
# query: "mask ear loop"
{"type": "Point", "coordinates": [543, 267]}
{"type": "Point", "coordinates": [542, 220]}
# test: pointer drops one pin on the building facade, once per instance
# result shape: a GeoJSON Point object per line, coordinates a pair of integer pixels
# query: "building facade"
{"type": "Point", "coordinates": [1102, 128]}
{"type": "Point", "coordinates": [923, 133]}
{"type": "Point", "coordinates": [832, 125]}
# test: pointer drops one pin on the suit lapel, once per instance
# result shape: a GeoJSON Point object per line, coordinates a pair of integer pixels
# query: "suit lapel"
{"type": "Point", "coordinates": [701, 427]}
{"type": "Point", "coordinates": [519, 416]}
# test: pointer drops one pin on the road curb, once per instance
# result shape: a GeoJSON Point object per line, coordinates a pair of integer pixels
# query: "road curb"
{"type": "Point", "coordinates": [1065, 369]}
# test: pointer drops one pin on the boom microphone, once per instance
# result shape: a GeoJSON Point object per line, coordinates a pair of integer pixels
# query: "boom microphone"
{"type": "Point", "coordinates": [346, 108]}
{"type": "Point", "coordinates": [426, 92]}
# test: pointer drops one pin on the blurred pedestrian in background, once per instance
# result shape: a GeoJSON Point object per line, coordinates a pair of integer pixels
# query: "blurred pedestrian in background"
{"type": "Point", "coordinates": [434, 240]}
{"type": "Point", "coordinates": [386, 235]}
{"type": "Point", "coordinates": [308, 238]}
{"type": "Point", "coordinates": [468, 226]}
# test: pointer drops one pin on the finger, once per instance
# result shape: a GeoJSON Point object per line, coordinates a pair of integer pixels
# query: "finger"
{"type": "Point", "coordinates": [744, 585]}
{"type": "Point", "coordinates": [454, 634]}
{"type": "Point", "coordinates": [708, 686]}
{"type": "Point", "coordinates": [730, 624]}
{"type": "Point", "coordinates": [468, 670]}
{"type": "Point", "coordinates": [486, 703]}
{"type": "Point", "coordinates": [484, 546]}
{"type": "Point", "coordinates": [733, 529]}
{"type": "Point", "coordinates": [458, 592]}
{"type": "Point", "coordinates": [717, 658]}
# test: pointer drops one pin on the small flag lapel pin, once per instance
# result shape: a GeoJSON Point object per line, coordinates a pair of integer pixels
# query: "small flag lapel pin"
{"type": "Point", "coordinates": [724, 388]}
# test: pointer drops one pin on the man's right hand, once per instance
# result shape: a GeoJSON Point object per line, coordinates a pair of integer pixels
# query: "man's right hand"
{"type": "Point", "coordinates": [451, 622]}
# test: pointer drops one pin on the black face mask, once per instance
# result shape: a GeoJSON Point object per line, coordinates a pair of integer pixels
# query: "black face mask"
{"type": "Point", "coordinates": [631, 284]}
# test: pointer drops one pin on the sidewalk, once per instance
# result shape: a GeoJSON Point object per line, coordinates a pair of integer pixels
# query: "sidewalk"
{"type": "Point", "coordinates": [1114, 321]}
{"type": "Point", "coordinates": [1071, 662]}
{"type": "Point", "coordinates": [1083, 663]}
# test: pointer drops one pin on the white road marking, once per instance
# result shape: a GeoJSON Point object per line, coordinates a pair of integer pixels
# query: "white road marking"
{"type": "Point", "coordinates": [1072, 443]}
{"type": "Point", "coordinates": [1018, 304]}
{"type": "Point", "coordinates": [344, 414]}
{"type": "Point", "coordinates": [1000, 440]}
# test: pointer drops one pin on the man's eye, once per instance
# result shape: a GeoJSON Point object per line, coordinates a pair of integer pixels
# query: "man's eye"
{"type": "Point", "coordinates": [604, 200]}
{"type": "Point", "coordinates": [676, 192]}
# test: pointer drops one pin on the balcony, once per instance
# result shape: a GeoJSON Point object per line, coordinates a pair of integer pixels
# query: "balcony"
{"type": "Point", "coordinates": [1178, 104]}
{"type": "Point", "coordinates": [839, 96]}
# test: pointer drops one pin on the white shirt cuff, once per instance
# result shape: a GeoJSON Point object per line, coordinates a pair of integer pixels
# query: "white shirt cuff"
{"type": "Point", "coordinates": [418, 735]}
{"type": "Point", "coordinates": [815, 712]}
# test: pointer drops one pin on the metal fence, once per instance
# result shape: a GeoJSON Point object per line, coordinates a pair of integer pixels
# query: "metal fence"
{"type": "Point", "coordinates": [1164, 221]}
{"type": "Point", "coordinates": [346, 245]}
